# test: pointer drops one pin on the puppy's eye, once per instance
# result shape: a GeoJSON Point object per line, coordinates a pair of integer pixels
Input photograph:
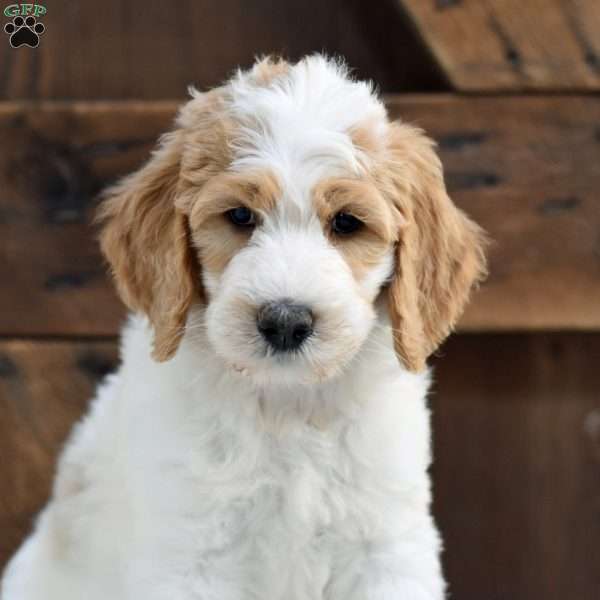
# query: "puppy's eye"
{"type": "Point", "coordinates": [241, 217]}
{"type": "Point", "coordinates": [345, 223]}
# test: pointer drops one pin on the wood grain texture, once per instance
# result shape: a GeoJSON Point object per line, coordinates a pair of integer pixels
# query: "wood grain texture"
{"type": "Point", "coordinates": [526, 168]}
{"type": "Point", "coordinates": [517, 468]}
{"type": "Point", "coordinates": [511, 44]}
{"type": "Point", "coordinates": [53, 162]}
{"type": "Point", "coordinates": [44, 388]}
{"type": "Point", "coordinates": [154, 49]}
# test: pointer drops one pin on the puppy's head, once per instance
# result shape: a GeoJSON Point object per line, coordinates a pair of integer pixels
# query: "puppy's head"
{"type": "Point", "coordinates": [288, 205]}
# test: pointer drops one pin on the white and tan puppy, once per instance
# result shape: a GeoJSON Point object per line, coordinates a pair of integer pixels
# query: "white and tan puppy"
{"type": "Point", "coordinates": [291, 258]}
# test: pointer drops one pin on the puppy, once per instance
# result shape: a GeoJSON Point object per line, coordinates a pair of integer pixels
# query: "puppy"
{"type": "Point", "coordinates": [291, 258]}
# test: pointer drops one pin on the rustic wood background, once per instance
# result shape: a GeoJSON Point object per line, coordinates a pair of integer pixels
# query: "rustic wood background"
{"type": "Point", "coordinates": [508, 89]}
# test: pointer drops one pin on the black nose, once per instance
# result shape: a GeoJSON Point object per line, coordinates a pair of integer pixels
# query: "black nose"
{"type": "Point", "coordinates": [284, 325]}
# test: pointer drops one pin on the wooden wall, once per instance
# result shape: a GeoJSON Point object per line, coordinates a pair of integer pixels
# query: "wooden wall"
{"type": "Point", "coordinates": [516, 401]}
{"type": "Point", "coordinates": [152, 49]}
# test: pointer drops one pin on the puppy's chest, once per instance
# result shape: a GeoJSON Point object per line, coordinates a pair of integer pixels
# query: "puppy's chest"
{"type": "Point", "coordinates": [270, 513]}
{"type": "Point", "coordinates": [296, 493]}
{"type": "Point", "coordinates": [297, 488]}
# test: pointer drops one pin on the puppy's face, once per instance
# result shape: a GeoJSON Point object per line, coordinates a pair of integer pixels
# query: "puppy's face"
{"type": "Point", "coordinates": [292, 264]}
{"type": "Point", "coordinates": [288, 206]}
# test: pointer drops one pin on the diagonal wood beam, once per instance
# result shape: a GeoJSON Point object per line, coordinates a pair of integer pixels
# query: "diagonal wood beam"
{"type": "Point", "coordinates": [510, 44]}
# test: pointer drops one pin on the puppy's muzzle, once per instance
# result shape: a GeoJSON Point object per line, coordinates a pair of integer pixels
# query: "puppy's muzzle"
{"type": "Point", "coordinates": [285, 326]}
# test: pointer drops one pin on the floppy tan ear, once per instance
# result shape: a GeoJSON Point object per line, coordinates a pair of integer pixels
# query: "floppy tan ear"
{"type": "Point", "coordinates": [145, 239]}
{"type": "Point", "coordinates": [439, 255]}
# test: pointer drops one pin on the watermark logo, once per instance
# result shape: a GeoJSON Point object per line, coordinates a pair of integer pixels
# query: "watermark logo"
{"type": "Point", "coordinates": [24, 29]}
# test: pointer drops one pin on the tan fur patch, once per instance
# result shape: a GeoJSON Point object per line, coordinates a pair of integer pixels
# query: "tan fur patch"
{"type": "Point", "coordinates": [207, 133]}
{"type": "Point", "coordinates": [366, 247]}
{"type": "Point", "coordinates": [215, 238]}
{"type": "Point", "coordinates": [365, 138]}
{"type": "Point", "coordinates": [268, 69]}
{"type": "Point", "coordinates": [440, 253]}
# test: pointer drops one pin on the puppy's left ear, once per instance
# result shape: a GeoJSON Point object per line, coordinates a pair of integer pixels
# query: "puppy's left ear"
{"type": "Point", "coordinates": [439, 255]}
{"type": "Point", "coordinates": [145, 239]}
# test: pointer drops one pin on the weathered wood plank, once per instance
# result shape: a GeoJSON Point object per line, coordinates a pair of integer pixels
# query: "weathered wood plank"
{"type": "Point", "coordinates": [53, 161]}
{"type": "Point", "coordinates": [512, 45]}
{"type": "Point", "coordinates": [527, 169]}
{"type": "Point", "coordinates": [517, 446]}
{"type": "Point", "coordinates": [517, 463]}
{"type": "Point", "coordinates": [154, 49]}
{"type": "Point", "coordinates": [44, 388]}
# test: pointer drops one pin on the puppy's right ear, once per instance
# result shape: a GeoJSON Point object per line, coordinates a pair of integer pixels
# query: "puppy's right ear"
{"type": "Point", "coordinates": [146, 241]}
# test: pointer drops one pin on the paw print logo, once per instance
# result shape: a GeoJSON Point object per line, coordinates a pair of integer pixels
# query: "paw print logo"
{"type": "Point", "coordinates": [24, 32]}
